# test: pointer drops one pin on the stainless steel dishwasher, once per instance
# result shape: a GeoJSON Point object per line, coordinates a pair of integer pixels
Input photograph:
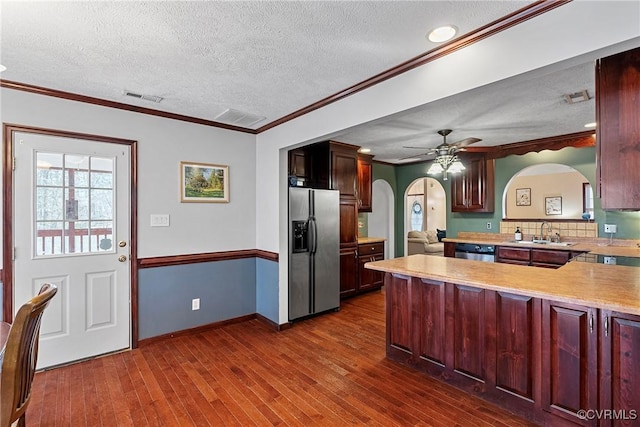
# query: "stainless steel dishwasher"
{"type": "Point", "coordinates": [476, 252]}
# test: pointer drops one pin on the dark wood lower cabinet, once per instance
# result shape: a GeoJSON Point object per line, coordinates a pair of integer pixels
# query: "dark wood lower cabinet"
{"type": "Point", "coordinates": [469, 332]}
{"type": "Point", "coordinates": [620, 368]}
{"type": "Point", "coordinates": [570, 351]}
{"type": "Point", "coordinates": [514, 373]}
{"type": "Point", "coordinates": [554, 363]}
{"type": "Point", "coordinates": [348, 270]}
{"type": "Point", "coordinates": [400, 327]}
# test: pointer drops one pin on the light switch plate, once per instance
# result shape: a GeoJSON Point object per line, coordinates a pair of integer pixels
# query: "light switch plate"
{"type": "Point", "coordinates": [609, 260]}
{"type": "Point", "coordinates": [610, 228]}
{"type": "Point", "coordinates": [159, 220]}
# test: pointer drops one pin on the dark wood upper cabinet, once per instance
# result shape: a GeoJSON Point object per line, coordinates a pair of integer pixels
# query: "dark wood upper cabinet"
{"type": "Point", "coordinates": [299, 165]}
{"type": "Point", "coordinates": [473, 190]}
{"type": "Point", "coordinates": [344, 169]}
{"type": "Point", "coordinates": [365, 175]}
{"type": "Point", "coordinates": [618, 130]}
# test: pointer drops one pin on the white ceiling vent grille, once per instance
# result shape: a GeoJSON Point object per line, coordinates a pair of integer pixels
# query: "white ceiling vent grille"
{"type": "Point", "coordinates": [239, 118]}
{"type": "Point", "coordinates": [573, 98]}
{"type": "Point", "coordinates": [151, 98]}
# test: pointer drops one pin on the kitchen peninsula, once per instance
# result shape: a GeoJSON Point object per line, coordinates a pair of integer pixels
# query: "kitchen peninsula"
{"type": "Point", "coordinates": [543, 343]}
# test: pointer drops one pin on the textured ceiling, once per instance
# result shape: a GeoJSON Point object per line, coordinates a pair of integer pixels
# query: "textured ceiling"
{"type": "Point", "coordinates": [505, 112]}
{"type": "Point", "coordinates": [272, 58]}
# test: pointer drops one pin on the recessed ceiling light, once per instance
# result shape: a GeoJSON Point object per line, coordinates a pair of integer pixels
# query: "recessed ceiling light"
{"type": "Point", "coordinates": [590, 125]}
{"type": "Point", "coordinates": [2, 68]}
{"type": "Point", "coordinates": [365, 150]}
{"type": "Point", "coordinates": [442, 34]}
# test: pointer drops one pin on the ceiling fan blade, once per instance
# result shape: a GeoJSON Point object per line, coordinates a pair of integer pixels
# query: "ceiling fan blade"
{"type": "Point", "coordinates": [418, 156]}
{"type": "Point", "coordinates": [467, 141]}
{"type": "Point", "coordinates": [418, 148]}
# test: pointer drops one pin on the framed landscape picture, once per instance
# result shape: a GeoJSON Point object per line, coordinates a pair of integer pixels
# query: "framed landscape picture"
{"type": "Point", "coordinates": [204, 183]}
{"type": "Point", "coordinates": [523, 197]}
{"type": "Point", "coordinates": [553, 205]}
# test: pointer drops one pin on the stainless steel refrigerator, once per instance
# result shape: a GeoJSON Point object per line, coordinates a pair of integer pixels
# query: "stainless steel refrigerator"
{"type": "Point", "coordinates": [314, 251]}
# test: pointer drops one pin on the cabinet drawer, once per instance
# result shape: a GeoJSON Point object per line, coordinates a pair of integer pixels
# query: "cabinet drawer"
{"type": "Point", "coordinates": [507, 252]}
{"type": "Point", "coordinates": [549, 256]}
{"type": "Point", "coordinates": [370, 248]}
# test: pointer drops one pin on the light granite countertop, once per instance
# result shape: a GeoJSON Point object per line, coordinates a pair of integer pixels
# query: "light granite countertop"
{"type": "Point", "coordinates": [609, 287]}
{"type": "Point", "coordinates": [367, 240]}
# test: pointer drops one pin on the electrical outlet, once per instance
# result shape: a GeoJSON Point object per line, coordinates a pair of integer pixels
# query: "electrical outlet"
{"type": "Point", "coordinates": [610, 228]}
{"type": "Point", "coordinates": [195, 304]}
{"type": "Point", "coordinates": [609, 260]}
{"type": "Point", "coordinates": [488, 226]}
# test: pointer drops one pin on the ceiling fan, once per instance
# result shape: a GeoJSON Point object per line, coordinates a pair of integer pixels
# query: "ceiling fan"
{"type": "Point", "coordinates": [444, 149]}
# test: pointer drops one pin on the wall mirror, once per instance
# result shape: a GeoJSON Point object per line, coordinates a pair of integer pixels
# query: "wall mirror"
{"type": "Point", "coordinates": [548, 191]}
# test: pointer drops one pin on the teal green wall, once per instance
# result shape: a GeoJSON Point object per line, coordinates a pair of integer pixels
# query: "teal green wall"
{"type": "Point", "coordinates": [581, 159]}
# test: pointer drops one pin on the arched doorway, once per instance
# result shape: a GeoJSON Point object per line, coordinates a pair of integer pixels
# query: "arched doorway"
{"type": "Point", "coordinates": [425, 206]}
{"type": "Point", "coordinates": [381, 217]}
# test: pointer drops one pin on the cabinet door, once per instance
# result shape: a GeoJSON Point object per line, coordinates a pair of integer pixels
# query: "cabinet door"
{"type": "Point", "coordinates": [468, 332]}
{"type": "Point", "coordinates": [620, 372]}
{"type": "Point", "coordinates": [473, 190]}
{"type": "Point", "coordinates": [617, 112]}
{"type": "Point", "coordinates": [569, 360]}
{"type": "Point", "coordinates": [459, 193]}
{"type": "Point", "coordinates": [298, 163]}
{"type": "Point", "coordinates": [369, 279]}
{"type": "Point", "coordinates": [430, 325]}
{"type": "Point", "coordinates": [510, 255]}
{"type": "Point", "coordinates": [348, 271]}
{"type": "Point", "coordinates": [480, 183]}
{"type": "Point", "coordinates": [365, 175]}
{"type": "Point", "coordinates": [513, 368]}
{"type": "Point", "coordinates": [348, 221]}
{"type": "Point", "coordinates": [399, 319]}
{"type": "Point", "coordinates": [344, 171]}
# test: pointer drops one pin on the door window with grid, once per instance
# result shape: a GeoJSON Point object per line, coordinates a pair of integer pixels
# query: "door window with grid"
{"type": "Point", "coordinates": [74, 202]}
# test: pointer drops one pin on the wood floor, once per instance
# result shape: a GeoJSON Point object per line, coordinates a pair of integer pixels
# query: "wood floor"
{"type": "Point", "coordinates": [327, 371]}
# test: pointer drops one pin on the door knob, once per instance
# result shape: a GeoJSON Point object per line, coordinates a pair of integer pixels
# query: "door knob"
{"type": "Point", "coordinates": [122, 258]}
{"type": "Point", "coordinates": [122, 243]}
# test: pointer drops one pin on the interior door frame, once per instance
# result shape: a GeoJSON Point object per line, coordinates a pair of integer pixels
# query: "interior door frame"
{"type": "Point", "coordinates": [7, 210]}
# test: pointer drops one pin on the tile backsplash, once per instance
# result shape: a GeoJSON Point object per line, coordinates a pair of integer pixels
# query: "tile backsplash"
{"type": "Point", "coordinates": [565, 229]}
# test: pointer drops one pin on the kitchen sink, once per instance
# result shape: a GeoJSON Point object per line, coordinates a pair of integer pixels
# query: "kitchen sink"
{"type": "Point", "coordinates": [545, 242]}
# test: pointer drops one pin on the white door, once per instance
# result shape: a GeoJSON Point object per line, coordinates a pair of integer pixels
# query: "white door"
{"type": "Point", "coordinates": [71, 228]}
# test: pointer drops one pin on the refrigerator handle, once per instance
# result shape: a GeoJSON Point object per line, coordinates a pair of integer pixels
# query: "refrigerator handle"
{"type": "Point", "coordinates": [313, 244]}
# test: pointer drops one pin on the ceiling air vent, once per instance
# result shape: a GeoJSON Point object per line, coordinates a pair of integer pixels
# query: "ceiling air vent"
{"type": "Point", "coordinates": [239, 118]}
{"type": "Point", "coordinates": [151, 98]}
{"type": "Point", "coordinates": [573, 98]}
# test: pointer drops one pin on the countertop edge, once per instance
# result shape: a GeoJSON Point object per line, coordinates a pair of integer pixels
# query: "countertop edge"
{"type": "Point", "coordinates": [461, 272]}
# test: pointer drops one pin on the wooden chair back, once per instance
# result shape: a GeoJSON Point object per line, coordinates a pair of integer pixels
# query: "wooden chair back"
{"type": "Point", "coordinates": [18, 362]}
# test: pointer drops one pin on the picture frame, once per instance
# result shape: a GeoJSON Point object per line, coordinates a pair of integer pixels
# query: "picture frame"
{"type": "Point", "coordinates": [204, 183]}
{"type": "Point", "coordinates": [523, 197]}
{"type": "Point", "coordinates": [553, 205]}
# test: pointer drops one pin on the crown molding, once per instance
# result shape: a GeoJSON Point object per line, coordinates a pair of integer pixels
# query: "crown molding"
{"type": "Point", "coordinates": [118, 105]}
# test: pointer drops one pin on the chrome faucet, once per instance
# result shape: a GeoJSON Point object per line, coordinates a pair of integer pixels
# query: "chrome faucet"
{"type": "Point", "coordinates": [542, 230]}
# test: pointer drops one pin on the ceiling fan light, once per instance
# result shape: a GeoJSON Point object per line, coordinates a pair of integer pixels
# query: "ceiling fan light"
{"type": "Point", "coordinates": [456, 167]}
{"type": "Point", "coordinates": [442, 34]}
{"type": "Point", "coordinates": [435, 169]}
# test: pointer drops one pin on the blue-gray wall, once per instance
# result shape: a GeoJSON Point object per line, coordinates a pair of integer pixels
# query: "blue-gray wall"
{"type": "Point", "coordinates": [227, 289]}
{"type": "Point", "coordinates": [581, 159]}
{"type": "Point", "coordinates": [267, 289]}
